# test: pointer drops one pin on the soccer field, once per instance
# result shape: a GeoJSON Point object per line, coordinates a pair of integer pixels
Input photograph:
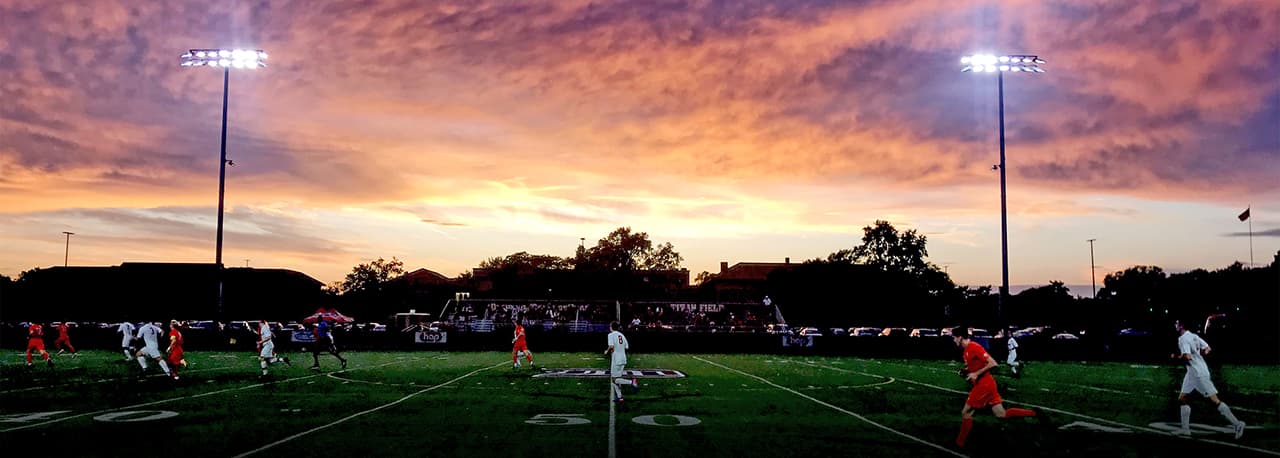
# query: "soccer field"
{"type": "Point", "coordinates": [469, 404]}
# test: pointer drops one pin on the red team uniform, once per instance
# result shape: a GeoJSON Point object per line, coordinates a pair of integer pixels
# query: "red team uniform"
{"type": "Point", "coordinates": [35, 341]}
{"type": "Point", "coordinates": [519, 346]}
{"type": "Point", "coordinates": [63, 339]}
{"type": "Point", "coordinates": [983, 394]}
{"type": "Point", "coordinates": [175, 350]}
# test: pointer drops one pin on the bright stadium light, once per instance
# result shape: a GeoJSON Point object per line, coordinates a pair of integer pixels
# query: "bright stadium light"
{"type": "Point", "coordinates": [226, 60]}
{"type": "Point", "coordinates": [1016, 63]}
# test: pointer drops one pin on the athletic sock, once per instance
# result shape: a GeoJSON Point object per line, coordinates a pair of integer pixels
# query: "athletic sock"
{"type": "Point", "coordinates": [1018, 413]}
{"type": "Point", "coordinates": [965, 426]}
{"type": "Point", "coordinates": [142, 362]}
{"type": "Point", "coordinates": [1185, 411]}
{"type": "Point", "coordinates": [165, 366]}
{"type": "Point", "coordinates": [1226, 412]}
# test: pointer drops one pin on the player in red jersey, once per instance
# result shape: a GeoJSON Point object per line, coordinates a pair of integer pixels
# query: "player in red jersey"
{"type": "Point", "coordinates": [175, 348]}
{"type": "Point", "coordinates": [518, 345]}
{"type": "Point", "coordinates": [35, 341]}
{"type": "Point", "coordinates": [64, 339]}
{"type": "Point", "coordinates": [977, 371]}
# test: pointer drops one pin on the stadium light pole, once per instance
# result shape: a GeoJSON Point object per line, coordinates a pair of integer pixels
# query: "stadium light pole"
{"type": "Point", "coordinates": [987, 64]}
{"type": "Point", "coordinates": [224, 59]}
{"type": "Point", "coordinates": [66, 252]}
{"type": "Point", "coordinates": [1093, 276]}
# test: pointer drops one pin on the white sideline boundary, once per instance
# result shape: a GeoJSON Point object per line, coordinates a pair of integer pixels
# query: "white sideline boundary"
{"type": "Point", "coordinates": [836, 408]}
{"type": "Point", "coordinates": [180, 398]}
{"type": "Point", "coordinates": [613, 421]}
{"type": "Point", "coordinates": [1065, 412]}
{"type": "Point", "coordinates": [365, 412]}
{"type": "Point", "coordinates": [117, 379]}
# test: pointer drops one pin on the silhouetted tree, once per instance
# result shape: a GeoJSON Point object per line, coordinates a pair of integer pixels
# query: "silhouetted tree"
{"type": "Point", "coordinates": [626, 251]}
{"type": "Point", "coordinates": [703, 277]}
{"type": "Point", "coordinates": [370, 277]}
{"type": "Point", "coordinates": [524, 260]}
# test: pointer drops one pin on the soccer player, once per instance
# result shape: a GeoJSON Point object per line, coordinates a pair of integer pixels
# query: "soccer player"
{"type": "Point", "coordinates": [126, 330]}
{"type": "Point", "coordinates": [978, 364]}
{"type": "Point", "coordinates": [1192, 350]}
{"type": "Point", "coordinates": [64, 339]}
{"type": "Point", "coordinates": [1012, 360]}
{"type": "Point", "coordinates": [175, 348]}
{"type": "Point", "coordinates": [518, 345]}
{"type": "Point", "coordinates": [150, 334]}
{"type": "Point", "coordinates": [35, 341]}
{"type": "Point", "coordinates": [618, 346]}
{"type": "Point", "coordinates": [324, 338]}
{"type": "Point", "coordinates": [267, 348]}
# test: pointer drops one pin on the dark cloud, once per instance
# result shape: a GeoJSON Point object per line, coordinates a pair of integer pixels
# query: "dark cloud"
{"type": "Point", "coordinates": [1263, 233]}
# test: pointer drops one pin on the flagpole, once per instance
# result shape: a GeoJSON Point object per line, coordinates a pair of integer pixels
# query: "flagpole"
{"type": "Point", "coordinates": [1251, 237]}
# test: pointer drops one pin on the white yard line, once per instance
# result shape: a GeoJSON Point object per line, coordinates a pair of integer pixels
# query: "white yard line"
{"type": "Point", "coordinates": [836, 408]}
{"type": "Point", "coordinates": [365, 412]}
{"type": "Point", "coordinates": [119, 379]}
{"type": "Point", "coordinates": [180, 398]}
{"type": "Point", "coordinates": [613, 422]}
{"type": "Point", "coordinates": [1066, 412]}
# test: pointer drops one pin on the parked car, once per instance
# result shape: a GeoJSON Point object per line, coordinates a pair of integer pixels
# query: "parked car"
{"type": "Point", "coordinates": [894, 332]}
{"type": "Point", "coordinates": [1131, 332]}
{"type": "Point", "coordinates": [814, 332]}
{"type": "Point", "coordinates": [1065, 336]}
{"type": "Point", "coordinates": [838, 332]}
{"type": "Point", "coordinates": [864, 332]}
{"type": "Point", "coordinates": [779, 328]}
{"type": "Point", "coordinates": [924, 332]}
{"type": "Point", "coordinates": [979, 332]}
{"type": "Point", "coordinates": [202, 324]}
{"type": "Point", "coordinates": [294, 326]}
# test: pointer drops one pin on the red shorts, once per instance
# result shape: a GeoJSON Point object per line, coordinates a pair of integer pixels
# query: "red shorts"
{"type": "Point", "coordinates": [984, 393]}
{"type": "Point", "coordinates": [520, 346]}
{"type": "Point", "coordinates": [62, 340]}
{"type": "Point", "coordinates": [36, 344]}
{"type": "Point", "coordinates": [175, 355]}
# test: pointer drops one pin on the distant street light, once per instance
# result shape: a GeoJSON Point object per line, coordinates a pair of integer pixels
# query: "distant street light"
{"type": "Point", "coordinates": [66, 253]}
{"type": "Point", "coordinates": [225, 59]}
{"type": "Point", "coordinates": [1016, 63]}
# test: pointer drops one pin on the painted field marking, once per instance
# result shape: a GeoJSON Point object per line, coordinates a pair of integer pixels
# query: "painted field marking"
{"type": "Point", "coordinates": [365, 412]}
{"type": "Point", "coordinates": [836, 408]}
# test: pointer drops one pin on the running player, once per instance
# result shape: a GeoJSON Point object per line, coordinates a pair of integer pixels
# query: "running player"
{"type": "Point", "coordinates": [978, 364]}
{"type": "Point", "coordinates": [175, 348]}
{"type": "Point", "coordinates": [126, 330]}
{"type": "Point", "coordinates": [35, 341]}
{"type": "Point", "coordinates": [1192, 350]}
{"type": "Point", "coordinates": [518, 345]}
{"type": "Point", "coordinates": [1012, 360]}
{"type": "Point", "coordinates": [267, 347]}
{"type": "Point", "coordinates": [618, 346]}
{"type": "Point", "coordinates": [150, 335]}
{"type": "Point", "coordinates": [64, 339]}
{"type": "Point", "coordinates": [324, 339]}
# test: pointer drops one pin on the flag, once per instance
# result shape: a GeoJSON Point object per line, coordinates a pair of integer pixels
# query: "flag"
{"type": "Point", "coordinates": [1245, 215]}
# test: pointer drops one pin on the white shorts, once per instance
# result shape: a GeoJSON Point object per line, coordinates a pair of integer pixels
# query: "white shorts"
{"type": "Point", "coordinates": [1013, 356]}
{"type": "Point", "coordinates": [151, 352]}
{"type": "Point", "coordinates": [268, 349]}
{"type": "Point", "coordinates": [126, 342]}
{"type": "Point", "coordinates": [1193, 382]}
{"type": "Point", "coordinates": [615, 370]}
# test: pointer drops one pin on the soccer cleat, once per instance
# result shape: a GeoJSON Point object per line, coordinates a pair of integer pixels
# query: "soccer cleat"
{"type": "Point", "coordinates": [287, 362]}
{"type": "Point", "coordinates": [314, 368]}
{"type": "Point", "coordinates": [1239, 429]}
{"type": "Point", "coordinates": [635, 385]}
{"type": "Point", "coordinates": [344, 364]}
{"type": "Point", "coordinates": [49, 362]}
{"type": "Point", "coordinates": [1181, 432]}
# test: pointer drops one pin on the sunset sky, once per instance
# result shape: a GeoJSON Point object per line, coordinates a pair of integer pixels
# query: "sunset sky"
{"type": "Point", "coordinates": [444, 133]}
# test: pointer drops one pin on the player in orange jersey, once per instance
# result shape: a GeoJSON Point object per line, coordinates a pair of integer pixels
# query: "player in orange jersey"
{"type": "Point", "coordinates": [35, 341]}
{"type": "Point", "coordinates": [64, 340]}
{"type": "Point", "coordinates": [518, 345]}
{"type": "Point", "coordinates": [175, 348]}
{"type": "Point", "coordinates": [977, 371]}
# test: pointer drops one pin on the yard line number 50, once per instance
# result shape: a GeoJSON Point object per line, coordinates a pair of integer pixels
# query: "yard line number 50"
{"type": "Point", "coordinates": [566, 419]}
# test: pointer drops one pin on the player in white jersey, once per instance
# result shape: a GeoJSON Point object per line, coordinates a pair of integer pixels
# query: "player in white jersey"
{"type": "Point", "coordinates": [267, 347]}
{"type": "Point", "coordinates": [1191, 351]}
{"type": "Point", "coordinates": [1012, 360]}
{"type": "Point", "coordinates": [150, 334]}
{"type": "Point", "coordinates": [618, 346]}
{"type": "Point", "coordinates": [126, 330]}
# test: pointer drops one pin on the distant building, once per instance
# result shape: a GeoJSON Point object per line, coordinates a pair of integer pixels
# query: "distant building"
{"type": "Point", "coordinates": [744, 281]}
{"type": "Point", "coordinates": [160, 291]}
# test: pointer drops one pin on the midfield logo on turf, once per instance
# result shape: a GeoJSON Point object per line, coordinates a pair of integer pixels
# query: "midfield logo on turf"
{"type": "Point", "coordinates": [602, 373]}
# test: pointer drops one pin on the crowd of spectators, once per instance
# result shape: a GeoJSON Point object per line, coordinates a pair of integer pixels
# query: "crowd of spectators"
{"type": "Point", "coordinates": [679, 317]}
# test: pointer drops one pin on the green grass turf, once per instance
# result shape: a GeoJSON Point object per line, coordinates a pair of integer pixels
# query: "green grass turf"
{"type": "Point", "coordinates": [475, 404]}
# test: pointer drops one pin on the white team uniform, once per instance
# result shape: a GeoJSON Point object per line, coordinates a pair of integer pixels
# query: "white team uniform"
{"type": "Point", "coordinates": [1197, 378]}
{"type": "Point", "coordinates": [619, 363]}
{"type": "Point", "coordinates": [268, 347]}
{"type": "Point", "coordinates": [1013, 351]}
{"type": "Point", "coordinates": [126, 330]}
{"type": "Point", "coordinates": [150, 336]}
